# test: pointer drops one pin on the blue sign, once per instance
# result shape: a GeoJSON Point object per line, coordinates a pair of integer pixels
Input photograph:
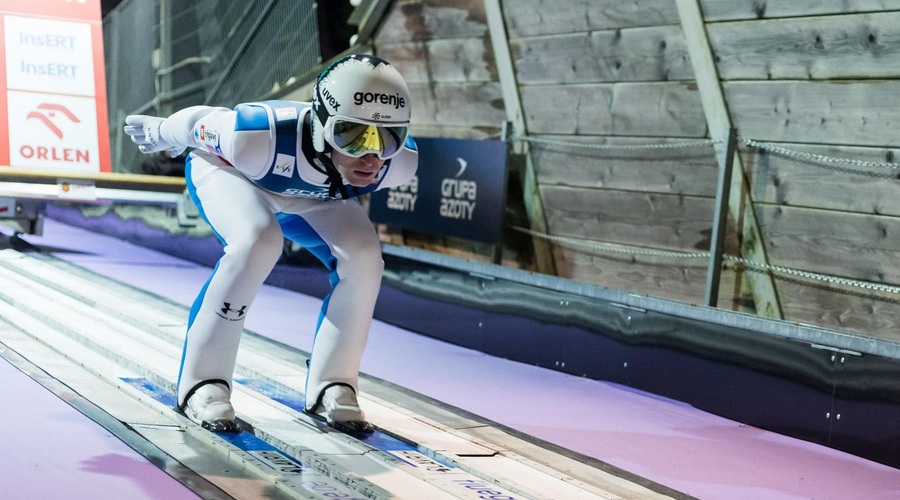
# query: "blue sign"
{"type": "Point", "coordinates": [459, 190]}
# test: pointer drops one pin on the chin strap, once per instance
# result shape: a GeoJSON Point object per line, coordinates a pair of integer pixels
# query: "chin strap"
{"type": "Point", "coordinates": [322, 162]}
{"type": "Point", "coordinates": [335, 181]}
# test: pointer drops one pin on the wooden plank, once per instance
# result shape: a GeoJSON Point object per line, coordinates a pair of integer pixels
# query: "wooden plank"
{"type": "Point", "coordinates": [662, 221]}
{"type": "Point", "coordinates": [547, 17]}
{"type": "Point", "coordinates": [688, 171]}
{"type": "Point", "coordinates": [636, 109]}
{"type": "Point", "coordinates": [100, 179]}
{"type": "Point", "coordinates": [455, 131]}
{"type": "Point", "coordinates": [721, 10]}
{"type": "Point", "coordinates": [458, 104]}
{"type": "Point", "coordinates": [776, 178]}
{"type": "Point", "coordinates": [674, 279]}
{"type": "Point", "coordinates": [627, 55]}
{"type": "Point", "coordinates": [814, 48]}
{"type": "Point", "coordinates": [834, 243]}
{"type": "Point", "coordinates": [410, 59]}
{"type": "Point", "coordinates": [866, 113]}
{"type": "Point", "coordinates": [517, 252]}
{"type": "Point", "coordinates": [421, 20]}
{"type": "Point", "coordinates": [849, 309]}
{"type": "Point", "coordinates": [443, 60]}
{"type": "Point", "coordinates": [515, 118]}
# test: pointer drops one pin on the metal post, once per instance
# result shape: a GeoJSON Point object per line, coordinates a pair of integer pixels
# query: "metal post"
{"type": "Point", "coordinates": [164, 58]}
{"type": "Point", "coordinates": [720, 219]}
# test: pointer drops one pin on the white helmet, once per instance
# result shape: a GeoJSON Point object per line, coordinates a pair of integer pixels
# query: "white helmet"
{"type": "Point", "coordinates": [360, 105]}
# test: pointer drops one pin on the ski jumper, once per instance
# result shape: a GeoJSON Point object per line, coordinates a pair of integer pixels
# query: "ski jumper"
{"type": "Point", "coordinates": [255, 178]}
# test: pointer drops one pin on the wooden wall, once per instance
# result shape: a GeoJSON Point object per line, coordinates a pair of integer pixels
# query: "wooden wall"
{"type": "Point", "coordinates": [443, 50]}
{"type": "Point", "coordinates": [617, 72]}
{"type": "Point", "coordinates": [818, 77]}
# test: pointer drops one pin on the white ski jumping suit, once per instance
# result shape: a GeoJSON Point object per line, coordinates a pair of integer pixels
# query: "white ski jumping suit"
{"type": "Point", "coordinates": [255, 178]}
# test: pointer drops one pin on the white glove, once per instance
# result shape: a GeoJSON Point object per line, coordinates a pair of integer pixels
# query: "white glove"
{"type": "Point", "coordinates": [144, 131]}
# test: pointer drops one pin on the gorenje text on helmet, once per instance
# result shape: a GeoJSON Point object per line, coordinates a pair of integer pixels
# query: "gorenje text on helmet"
{"type": "Point", "coordinates": [379, 98]}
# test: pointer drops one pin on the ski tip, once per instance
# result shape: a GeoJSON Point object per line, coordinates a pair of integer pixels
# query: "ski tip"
{"type": "Point", "coordinates": [222, 426]}
{"type": "Point", "coordinates": [356, 429]}
{"type": "Point", "coordinates": [359, 429]}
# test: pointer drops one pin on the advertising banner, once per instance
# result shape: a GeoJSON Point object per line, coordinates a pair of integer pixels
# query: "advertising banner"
{"type": "Point", "coordinates": [53, 111]}
{"type": "Point", "coordinates": [459, 190]}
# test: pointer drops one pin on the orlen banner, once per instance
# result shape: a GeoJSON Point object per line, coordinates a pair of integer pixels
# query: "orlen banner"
{"type": "Point", "coordinates": [53, 103]}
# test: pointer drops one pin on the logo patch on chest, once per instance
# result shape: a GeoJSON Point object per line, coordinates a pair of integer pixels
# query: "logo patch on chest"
{"type": "Point", "coordinates": [284, 165]}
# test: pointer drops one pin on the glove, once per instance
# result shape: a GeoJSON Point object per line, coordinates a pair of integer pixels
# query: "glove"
{"type": "Point", "coordinates": [144, 131]}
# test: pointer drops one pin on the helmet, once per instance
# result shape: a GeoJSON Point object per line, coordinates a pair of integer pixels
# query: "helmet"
{"type": "Point", "coordinates": [360, 105]}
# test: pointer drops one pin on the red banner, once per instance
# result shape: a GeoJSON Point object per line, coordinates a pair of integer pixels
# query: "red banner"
{"type": "Point", "coordinates": [85, 10]}
{"type": "Point", "coordinates": [53, 85]}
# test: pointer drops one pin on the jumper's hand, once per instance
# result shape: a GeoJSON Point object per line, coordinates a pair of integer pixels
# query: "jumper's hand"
{"type": "Point", "coordinates": [144, 131]}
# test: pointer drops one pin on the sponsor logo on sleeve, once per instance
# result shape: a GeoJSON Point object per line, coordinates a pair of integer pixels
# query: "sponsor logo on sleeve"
{"type": "Point", "coordinates": [282, 114]}
{"type": "Point", "coordinates": [211, 139]}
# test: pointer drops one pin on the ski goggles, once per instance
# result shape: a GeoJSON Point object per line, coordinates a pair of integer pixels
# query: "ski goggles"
{"type": "Point", "coordinates": [357, 138]}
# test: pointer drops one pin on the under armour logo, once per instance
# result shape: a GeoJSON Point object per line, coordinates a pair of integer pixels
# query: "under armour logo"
{"type": "Point", "coordinates": [227, 309]}
{"type": "Point", "coordinates": [46, 114]}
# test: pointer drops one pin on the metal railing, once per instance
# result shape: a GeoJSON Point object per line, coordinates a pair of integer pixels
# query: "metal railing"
{"type": "Point", "coordinates": [164, 55]}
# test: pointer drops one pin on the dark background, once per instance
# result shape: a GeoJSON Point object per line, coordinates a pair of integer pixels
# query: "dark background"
{"type": "Point", "coordinates": [334, 32]}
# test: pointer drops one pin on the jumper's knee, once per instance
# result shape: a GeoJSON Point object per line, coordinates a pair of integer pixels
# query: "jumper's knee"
{"type": "Point", "coordinates": [364, 261]}
{"type": "Point", "coordinates": [257, 246]}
